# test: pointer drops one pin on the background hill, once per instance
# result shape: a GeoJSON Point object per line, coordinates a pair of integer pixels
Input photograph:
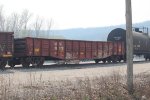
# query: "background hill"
{"type": "Point", "coordinates": [94, 34]}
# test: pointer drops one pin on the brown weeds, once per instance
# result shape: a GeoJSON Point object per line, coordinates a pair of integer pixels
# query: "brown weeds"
{"type": "Point", "coordinates": [97, 88]}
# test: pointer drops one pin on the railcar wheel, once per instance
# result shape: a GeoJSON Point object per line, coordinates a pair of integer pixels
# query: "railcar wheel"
{"type": "Point", "coordinates": [115, 59]}
{"type": "Point", "coordinates": [25, 62]}
{"type": "Point", "coordinates": [11, 64]}
{"type": "Point", "coordinates": [41, 62]}
{"type": "Point", "coordinates": [37, 61]}
{"type": "Point", "coordinates": [146, 59]}
{"type": "Point", "coordinates": [124, 60]}
{"type": "Point", "coordinates": [104, 61]}
{"type": "Point", "coordinates": [2, 64]}
{"type": "Point", "coordinates": [109, 61]}
{"type": "Point", "coordinates": [96, 61]}
{"type": "Point", "coordinates": [118, 59]}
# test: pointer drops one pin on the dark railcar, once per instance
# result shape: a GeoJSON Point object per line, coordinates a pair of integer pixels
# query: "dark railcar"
{"type": "Point", "coordinates": [6, 47]}
{"type": "Point", "coordinates": [140, 41]}
{"type": "Point", "coordinates": [24, 47]}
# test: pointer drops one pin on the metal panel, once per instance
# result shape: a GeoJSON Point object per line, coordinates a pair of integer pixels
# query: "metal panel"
{"type": "Point", "coordinates": [37, 47]}
{"type": "Point", "coordinates": [20, 47]}
{"type": "Point", "coordinates": [23, 47]}
{"type": "Point", "coordinates": [68, 49]}
{"type": "Point", "coordinates": [75, 50]}
{"type": "Point", "coordinates": [6, 44]}
{"type": "Point", "coordinates": [53, 48]}
{"type": "Point", "coordinates": [110, 50]}
{"type": "Point", "coordinates": [61, 49]}
{"type": "Point", "coordinates": [105, 49]}
{"type": "Point", "coordinates": [123, 48]}
{"type": "Point", "coordinates": [100, 49]}
{"type": "Point", "coordinates": [45, 47]}
{"type": "Point", "coordinates": [88, 50]}
{"type": "Point", "coordinates": [115, 50]}
{"type": "Point", "coordinates": [82, 50]}
{"type": "Point", "coordinates": [94, 49]}
{"type": "Point", "coordinates": [119, 48]}
{"type": "Point", "coordinates": [29, 47]}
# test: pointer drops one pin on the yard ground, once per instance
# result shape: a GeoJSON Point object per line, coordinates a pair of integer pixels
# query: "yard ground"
{"type": "Point", "coordinates": [71, 72]}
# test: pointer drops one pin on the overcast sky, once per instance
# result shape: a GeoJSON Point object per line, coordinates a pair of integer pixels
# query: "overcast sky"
{"type": "Point", "coordinates": [81, 13]}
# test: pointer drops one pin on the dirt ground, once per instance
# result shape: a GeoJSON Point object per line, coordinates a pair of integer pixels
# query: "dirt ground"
{"type": "Point", "coordinates": [63, 72]}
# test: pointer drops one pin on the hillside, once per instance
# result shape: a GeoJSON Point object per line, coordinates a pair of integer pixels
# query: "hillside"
{"type": "Point", "coordinates": [95, 34]}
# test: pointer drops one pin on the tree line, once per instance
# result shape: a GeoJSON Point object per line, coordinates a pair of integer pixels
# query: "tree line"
{"type": "Point", "coordinates": [23, 24]}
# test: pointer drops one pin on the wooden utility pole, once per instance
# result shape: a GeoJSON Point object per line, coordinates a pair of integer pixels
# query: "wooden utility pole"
{"type": "Point", "coordinates": [129, 45]}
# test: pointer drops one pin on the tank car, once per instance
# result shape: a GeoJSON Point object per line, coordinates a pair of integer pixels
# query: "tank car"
{"type": "Point", "coordinates": [141, 40]}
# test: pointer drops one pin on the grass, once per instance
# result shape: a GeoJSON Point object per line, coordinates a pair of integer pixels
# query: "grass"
{"type": "Point", "coordinates": [97, 88]}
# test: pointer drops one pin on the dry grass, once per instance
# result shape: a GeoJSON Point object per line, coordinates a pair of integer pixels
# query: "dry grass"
{"type": "Point", "coordinates": [98, 88]}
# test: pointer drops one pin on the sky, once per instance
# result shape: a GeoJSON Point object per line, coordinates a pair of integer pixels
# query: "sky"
{"type": "Point", "coordinates": [67, 14]}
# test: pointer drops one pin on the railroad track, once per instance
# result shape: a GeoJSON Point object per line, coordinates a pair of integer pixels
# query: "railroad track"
{"type": "Point", "coordinates": [75, 66]}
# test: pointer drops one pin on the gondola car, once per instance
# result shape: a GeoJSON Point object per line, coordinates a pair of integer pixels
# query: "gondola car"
{"type": "Point", "coordinates": [34, 51]}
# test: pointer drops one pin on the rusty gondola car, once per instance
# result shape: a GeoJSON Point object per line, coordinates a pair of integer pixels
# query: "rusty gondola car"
{"type": "Point", "coordinates": [36, 50]}
{"type": "Point", "coordinates": [6, 48]}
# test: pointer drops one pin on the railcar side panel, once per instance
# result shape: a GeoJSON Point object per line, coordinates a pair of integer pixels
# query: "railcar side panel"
{"type": "Point", "coordinates": [100, 50]}
{"type": "Point", "coordinates": [88, 50]}
{"type": "Point", "coordinates": [23, 47]}
{"type": "Point", "coordinates": [119, 48]}
{"type": "Point", "coordinates": [6, 44]}
{"type": "Point", "coordinates": [20, 47]}
{"type": "Point", "coordinates": [29, 47]}
{"type": "Point", "coordinates": [61, 49]}
{"type": "Point", "coordinates": [53, 44]}
{"type": "Point", "coordinates": [115, 48]}
{"type": "Point", "coordinates": [45, 47]}
{"type": "Point", "coordinates": [110, 48]}
{"type": "Point", "coordinates": [82, 49]}
{"type": "Point", "coordinates": [75, 50]}
{"type": "Point", "coordinates": [37, 47]}
{"type": "Point", "coordinates": [68, 51]}
{"type": "Point", "coordinates": [123, 48]}
{"type": "Point", "coordinates": [105, 49]}
{"type": "Point", "coordinates": [94, 50]}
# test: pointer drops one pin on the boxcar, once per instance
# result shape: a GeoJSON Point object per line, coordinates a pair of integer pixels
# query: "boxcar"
{"type": "Point", "coordinates": [6, 47]}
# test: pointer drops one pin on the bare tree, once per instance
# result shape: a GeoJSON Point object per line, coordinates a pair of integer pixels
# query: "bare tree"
{"type": "Point", "coordinates": [49, 25]}
{"type": "Point", "coordinates": [14, 22]}
{"type": "Point", "coordinates": [2, 20]}
{"type": "Point", "coordinates": [24, 19]}
{"type": "Point", "coordinates": [23, 22]}
{"type": "Point", "coordinates": [18, 22]}
{"type": "Point", "coordinates": [7, 26]}
{"type": "Point", "coordinates": [38, 25]}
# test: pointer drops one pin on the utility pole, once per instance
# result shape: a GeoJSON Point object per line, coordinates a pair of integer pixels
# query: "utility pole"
{"type": "Point", "coordinates": [129, 45]}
